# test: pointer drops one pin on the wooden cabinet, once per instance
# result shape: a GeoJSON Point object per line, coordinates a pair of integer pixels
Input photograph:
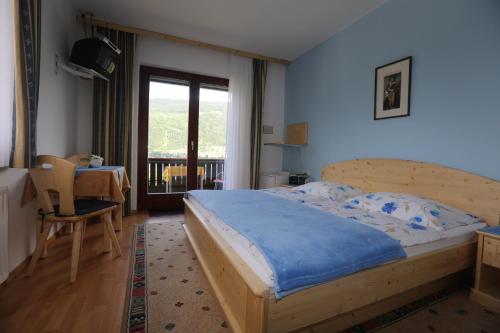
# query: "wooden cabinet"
{"type": "Point", "coordinates": [486, 289]}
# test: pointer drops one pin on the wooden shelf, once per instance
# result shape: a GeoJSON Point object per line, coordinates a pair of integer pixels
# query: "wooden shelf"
{"type": "Point", "coordinates": [296, 137]}
{"type": "Point", "coordinates": [277, 144]}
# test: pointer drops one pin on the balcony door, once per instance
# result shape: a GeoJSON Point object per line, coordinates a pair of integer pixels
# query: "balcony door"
{"type": "Point", "coordinates": [182, 135]}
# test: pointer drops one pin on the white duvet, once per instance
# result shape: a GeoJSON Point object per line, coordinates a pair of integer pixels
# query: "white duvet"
{"type": "Point", "coordinates": [409, 237]}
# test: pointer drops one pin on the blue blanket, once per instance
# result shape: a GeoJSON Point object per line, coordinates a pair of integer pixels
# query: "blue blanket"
{"type": "Point", "coordinates": [303, 245]}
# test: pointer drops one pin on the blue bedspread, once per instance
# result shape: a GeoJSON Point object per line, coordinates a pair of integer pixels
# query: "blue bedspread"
{"type": "Point", "coordinates": [303, 246]}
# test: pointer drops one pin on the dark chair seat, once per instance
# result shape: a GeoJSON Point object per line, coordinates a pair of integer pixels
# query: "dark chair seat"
{"type": "Point", "coordinates": [87, 206]}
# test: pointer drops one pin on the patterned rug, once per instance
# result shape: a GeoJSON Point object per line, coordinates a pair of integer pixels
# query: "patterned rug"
{"type": "Point", "coordinates": [169, 293]}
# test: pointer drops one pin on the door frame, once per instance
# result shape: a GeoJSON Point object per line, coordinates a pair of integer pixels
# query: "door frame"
{"type": "Point", "coordinates": [170, 200]}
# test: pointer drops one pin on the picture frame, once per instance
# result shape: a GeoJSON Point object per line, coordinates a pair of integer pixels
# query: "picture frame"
{"type": "Point", "coordinates": [393, 89]}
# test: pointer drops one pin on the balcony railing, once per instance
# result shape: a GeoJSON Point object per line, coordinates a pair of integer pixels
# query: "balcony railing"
{"type": "Point", "coordinates": [213, 169]}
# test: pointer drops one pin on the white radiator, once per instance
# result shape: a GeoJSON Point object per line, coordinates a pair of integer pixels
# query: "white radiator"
{"type": "Point", "coordinates": [4, 234]}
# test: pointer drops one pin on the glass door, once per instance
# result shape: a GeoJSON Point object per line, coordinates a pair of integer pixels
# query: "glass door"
{"type": "Point", "coordinates": [182, 133]}
{"type": "Point", "coordinates": [167, 136]}
{"type": "Point", "coordinates": [212, 136]}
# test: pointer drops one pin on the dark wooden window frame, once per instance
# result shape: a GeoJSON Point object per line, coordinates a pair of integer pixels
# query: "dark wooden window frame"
{"type": "Point", "coordinates": [170, 200]}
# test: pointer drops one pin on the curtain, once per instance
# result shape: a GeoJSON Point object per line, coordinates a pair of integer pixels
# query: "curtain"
{"type": "Point", "coordinates": [112, 108]}
{"type": "Point", "coordinates": [237, 168]}
{"type": "Point", "coordinates": [27, 16]}
{"type": "Point", "coordinates": [259, 87]}
{"type": "Point", "coordinates": [6, 79]}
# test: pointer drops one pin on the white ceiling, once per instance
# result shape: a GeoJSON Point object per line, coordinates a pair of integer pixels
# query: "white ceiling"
{"type": "Point", "coordinates": [277, 28]}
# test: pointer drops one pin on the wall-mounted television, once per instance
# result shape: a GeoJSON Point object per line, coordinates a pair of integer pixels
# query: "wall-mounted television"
{"type": "Point", "coordinates": [97, 55]}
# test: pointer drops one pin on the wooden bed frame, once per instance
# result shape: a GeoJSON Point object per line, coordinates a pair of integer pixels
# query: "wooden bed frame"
{"type": "Point", "coordinates": [341, 303]}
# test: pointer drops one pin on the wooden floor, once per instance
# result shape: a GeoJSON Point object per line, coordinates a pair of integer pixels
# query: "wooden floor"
{"type": "Point", "coordinates": [47, 302]}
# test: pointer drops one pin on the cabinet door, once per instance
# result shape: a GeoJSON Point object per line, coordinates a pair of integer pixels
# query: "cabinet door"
{"type": "Point", "coordinates": [491, 252]}
{"type": "Point", "coordinates": [267, 181]}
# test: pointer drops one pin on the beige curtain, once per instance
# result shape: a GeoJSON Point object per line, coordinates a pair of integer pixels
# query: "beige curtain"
{"type": "Point", "coordinates": [27, 17]}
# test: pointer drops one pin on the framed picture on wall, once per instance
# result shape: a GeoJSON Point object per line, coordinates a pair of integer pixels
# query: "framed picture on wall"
{"type": "Point", "coordinates": [392, 89]}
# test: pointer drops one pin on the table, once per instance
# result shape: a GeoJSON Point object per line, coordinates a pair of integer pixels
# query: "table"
{"type": "Point", "coordinates": [106, 182]}
{"type": "Point", "coordinates": [180, 171]}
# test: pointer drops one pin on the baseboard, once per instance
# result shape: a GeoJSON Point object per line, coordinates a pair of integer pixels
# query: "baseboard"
{"type": "Point", "coordinates": [16, 272]}
{"type": "Point", "coordinates": [24, 264]}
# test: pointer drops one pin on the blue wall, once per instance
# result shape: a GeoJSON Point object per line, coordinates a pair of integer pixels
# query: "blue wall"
{"type": "Point", "coordinates": [455, 95]}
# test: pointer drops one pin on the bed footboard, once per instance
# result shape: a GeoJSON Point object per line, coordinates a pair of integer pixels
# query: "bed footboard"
{"type": "Point", "coordinates": [241, 294]}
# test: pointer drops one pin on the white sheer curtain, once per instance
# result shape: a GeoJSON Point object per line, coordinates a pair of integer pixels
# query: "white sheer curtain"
{"type": "Point", "coordinates": [6, 78]}
{"type": "Point", "coordinates": [237, 165]}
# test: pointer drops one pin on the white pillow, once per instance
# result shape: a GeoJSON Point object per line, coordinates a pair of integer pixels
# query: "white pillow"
{"type": "Point", "coordinates": [413, 209]}
{"type": "Point", "coordinates": [330, 190]}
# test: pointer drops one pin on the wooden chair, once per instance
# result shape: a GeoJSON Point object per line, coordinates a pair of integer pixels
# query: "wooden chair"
{"type": "Point", "coordinates": [82, 160]}
{"type": "Point", "coordinates": [55, 175]}
{"type": "Point", "coordinates": [171, 171]}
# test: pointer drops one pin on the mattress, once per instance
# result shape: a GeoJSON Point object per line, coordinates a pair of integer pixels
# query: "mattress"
{"type": "Point", "coordinates": [434, 240]}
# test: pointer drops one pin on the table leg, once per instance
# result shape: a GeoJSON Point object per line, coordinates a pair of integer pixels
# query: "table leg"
{"type": "Point", "coordinates": [105, 236]}
{"type": "Point", "coordinates": [118, 217]}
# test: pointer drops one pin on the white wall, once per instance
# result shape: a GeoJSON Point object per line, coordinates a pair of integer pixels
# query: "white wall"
{"type": "Point", "coordinates": [164, 54]}
{"type": "Point", "coordinates": [56, 123]}
{"type": "Point", "coordinates": [21, 220]}
{"type": "Point", "coordinates": [84, 116]}
{"type": "Point", "coordinates": [57, 103]}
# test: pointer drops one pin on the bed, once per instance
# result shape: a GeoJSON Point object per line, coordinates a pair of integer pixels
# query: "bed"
{"type": "Point", "coordinates": [250, 304]}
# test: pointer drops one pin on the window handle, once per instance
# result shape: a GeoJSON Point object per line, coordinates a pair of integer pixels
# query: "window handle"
{"type": "Point", "coordinates": [192, 145]}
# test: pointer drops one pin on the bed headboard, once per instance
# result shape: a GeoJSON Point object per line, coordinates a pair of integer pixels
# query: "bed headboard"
{"type": "Point", "coordinates": [464, 190]}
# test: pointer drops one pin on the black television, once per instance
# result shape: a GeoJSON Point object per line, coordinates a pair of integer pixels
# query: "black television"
{"type": "Point", "coordinates": [96, 55]}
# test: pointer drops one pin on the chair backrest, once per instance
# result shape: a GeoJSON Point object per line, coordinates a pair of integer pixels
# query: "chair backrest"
{"type": "Point", "coordinates": [80, 159]}
{"type": "Point", "coordinates": [54, 174]}
{"type": "Point", "coordinates": [180, 171]}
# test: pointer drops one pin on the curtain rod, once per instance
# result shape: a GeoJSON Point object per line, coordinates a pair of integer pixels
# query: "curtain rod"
{"type": "Point", "coordinates": [148, 33]}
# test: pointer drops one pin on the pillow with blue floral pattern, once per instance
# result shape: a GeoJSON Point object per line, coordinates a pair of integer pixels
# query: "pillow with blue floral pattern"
{"type": "Point", "coordinates": [331, 190]}
{"type": "Point", "coordinates": [415, 210]}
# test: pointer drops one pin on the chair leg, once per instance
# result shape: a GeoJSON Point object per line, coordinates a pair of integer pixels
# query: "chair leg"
{"type": "Point", "coordinates": [84, 228]}
{"type": "Point", "coordinates": [118, 217]}
{"type": "Point", "coordinates": [39, 231]}
{"type": "Point", "coordinates": [107, 246]}
{"type": "Point", "coordinates": [75, 254]}
{"type": "Point", "coordinates": [40, 246]}
{"type": "Point", "coordinates": [111, 232]}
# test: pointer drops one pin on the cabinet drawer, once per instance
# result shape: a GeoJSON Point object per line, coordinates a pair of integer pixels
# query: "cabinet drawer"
{"type": "Point", "coordinates": [491, 252]}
